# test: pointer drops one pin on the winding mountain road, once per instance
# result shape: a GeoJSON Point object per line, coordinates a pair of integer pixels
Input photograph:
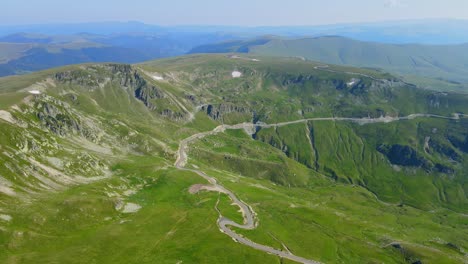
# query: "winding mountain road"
{"type": "Point", "coordinates": [247, 211]}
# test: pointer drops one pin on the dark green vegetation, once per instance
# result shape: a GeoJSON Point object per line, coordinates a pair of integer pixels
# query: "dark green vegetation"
{"type": "Point", "coordinates": [240, 46]}
{"type": "Point", "coordinates": [432, 66]}
{"type": "Point", "coordinates": [86, 169]}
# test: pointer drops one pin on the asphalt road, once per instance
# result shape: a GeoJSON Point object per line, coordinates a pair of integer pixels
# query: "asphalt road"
{"type": "Point", "coordinates": [248, 213]}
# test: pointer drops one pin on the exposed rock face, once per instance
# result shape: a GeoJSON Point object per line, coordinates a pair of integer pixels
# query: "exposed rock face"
{"type": "Point", "coordinates": [388, 83]}
{"type": "Point", "coordinates": [216, 112]}
{"type": "Point", "coordinates": [57, 120]}
{"type": "Point", "coordinates": [301, 79]}
{"type": "Point", "coordinates": [407, 254]}
{"type": "Point", "coordinates": [444, 169]}
{"type": "Point", "coordinates": [129, 79]}
{"type": "Point", "coordinates": [356, 86]}
{"type": "Point", "coordinates": [403, 156]}
{"type": "Point", "coordinates": [445, 150]}
{"type": "Point", "coordinates": [459, 143]}
{"type": "Point", "coordinates": [147, 93]}
{"type": "Point", "coordinates": [96, 75]}
{"type": "Point", "coordinates": [407, 156]}
{"type": "Point", "coordinates": [172, 114]}
{"type": "Point", "coordinates": [77, 78]}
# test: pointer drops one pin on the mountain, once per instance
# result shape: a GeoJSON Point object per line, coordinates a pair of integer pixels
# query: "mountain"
{"type": "Point", "coordinates": [27, 48]}
{"type": "Point", "coordinates": [424, 31]}
{"type": "Point", "coordinates": [445, 63]}
{"type": "Point", "coordinates": [146, 163]}
{"type": "Point", "coordinates": [23, 52]}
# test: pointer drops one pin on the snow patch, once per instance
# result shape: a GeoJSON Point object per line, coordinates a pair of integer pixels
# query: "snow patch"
{"type": "Point", "coordinates": [7, 190]}
{"type": "Point", "coordinates": [5, 217]}
{"type": "Point", "coordinates": [6, 116]}
{"type": "Point", "coordinates": [35, 92]}
{"type": "Point", "coordinates": [129, 192]}
{"type": "Point", "coordinates": [236, 74]}
{"type": "Point", "coordinates": [158, 78]}
{"type": "Point", "coordinates": [131, 208]}
{"type": "Point", "coordinates": [5, 187]}
{"type": "Point", "coordinates": [352, 82]}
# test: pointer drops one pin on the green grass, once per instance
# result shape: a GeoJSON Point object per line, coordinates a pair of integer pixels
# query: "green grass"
{"type": "Point", "coordinates": [81, 225]}
{"type": "Point", "coordinates": [321, 188]}
{"type": "Point", "coordinates": [339, 222]}
{"type": "Point", "coordinates": [435, 67]}
{"type": "Point", "coordinates": [425, 61]}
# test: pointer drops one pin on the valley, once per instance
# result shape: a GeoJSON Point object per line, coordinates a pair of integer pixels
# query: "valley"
{"type": "Point", "coordinates": [247, 212]}
{"type": "Point", "coordinates": [108, 164]}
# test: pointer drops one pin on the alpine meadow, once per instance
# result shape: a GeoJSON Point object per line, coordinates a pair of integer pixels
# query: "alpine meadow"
{"type": "Point", "coordinates": [253, 141]}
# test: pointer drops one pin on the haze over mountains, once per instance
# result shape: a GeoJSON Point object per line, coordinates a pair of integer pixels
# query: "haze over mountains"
{"type": "Point", "coordinates": [134, 143]}
{"type": "Point", "coordinates": [434, 50]}
{"type": "Point", "coordinates": [428, 31]}
{"type": "Point", "coordinates": [26, 52]}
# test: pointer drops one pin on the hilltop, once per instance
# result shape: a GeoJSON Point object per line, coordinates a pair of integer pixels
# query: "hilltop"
{"type": "Point", "coordinates": [432, 66]}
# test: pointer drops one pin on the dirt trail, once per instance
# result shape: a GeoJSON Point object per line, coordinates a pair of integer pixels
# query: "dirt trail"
{"type": "Point", "coordinates": [247, 211]}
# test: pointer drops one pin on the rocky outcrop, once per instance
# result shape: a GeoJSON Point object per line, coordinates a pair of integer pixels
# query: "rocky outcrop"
{"type": "Point", "coordinates": [443, 169]}
{"type": "Point", "coordinates": [403, 156]}
{"type": "Point", "coordinates": [300, 79]}
{"type": "Point", "coordinates": [408, 254]}
{"type": "Point", "coordinates": [62, 120]}
{"type": "Point", "coordinates": [130, 79]}
{"type": "Point", "coordinates": [444, 150]}
{"type": "Point", "coordinates": [409, 157]}
{"type": "Point", "coordinates": [388, 83]}
{"type": "Point", "coordinates": [78, 77]}
{"type": "Point", "coordinates": [147, 93]}
{"type": "Point", "coordinates": [57, 120]}
{"type": "Point", "coordinates": [217, 112]}
{"type": "Point", "coordinates": [437, 100]}
{"type": "Point", "coordinates": [168, 113]}
{"type": "Point", "coordinates": [459, 143]}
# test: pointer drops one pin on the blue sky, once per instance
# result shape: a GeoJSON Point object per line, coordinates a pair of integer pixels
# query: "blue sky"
{"type": "Point", "coordinates": [222, 12]}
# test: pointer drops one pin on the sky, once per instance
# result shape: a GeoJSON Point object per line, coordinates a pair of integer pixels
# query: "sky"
{"type": "Point", "coordinates": [232, 12]}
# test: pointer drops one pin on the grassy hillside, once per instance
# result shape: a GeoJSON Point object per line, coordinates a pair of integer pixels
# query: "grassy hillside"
{"type": "Point", "coordinates": [87, 171]}
{"type": "Point", "coordinates": [271, 92]}
{"type": "Point", "coordinates": [445, 63]}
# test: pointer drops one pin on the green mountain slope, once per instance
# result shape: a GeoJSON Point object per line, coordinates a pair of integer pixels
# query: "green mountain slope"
{"type": "Point", "coordinates": [87, 168]}
{"type": "Point", "coordinates": [443, 62]}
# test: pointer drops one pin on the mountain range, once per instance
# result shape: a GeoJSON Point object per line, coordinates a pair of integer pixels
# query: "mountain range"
{"type": "Point", "coordinates": [27, 52]}
{"type": "Point", "coordinates": [230, 158]}
{"type": "Point", "coordinates": [431, 66]}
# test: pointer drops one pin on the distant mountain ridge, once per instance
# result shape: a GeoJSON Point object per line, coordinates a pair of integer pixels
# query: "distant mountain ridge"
{"type": "Point", "coordinates": [425, 31]}
{"type": "Point", "coordinates": [384, 45]}
{"type": "Point", "coordinates": [443, 62]}
{"type": "Point", "coordinates": [26, 52]}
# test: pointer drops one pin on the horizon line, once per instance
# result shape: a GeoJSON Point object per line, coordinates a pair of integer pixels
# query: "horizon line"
{"type": "Point", "coordinates": [232, 25]}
